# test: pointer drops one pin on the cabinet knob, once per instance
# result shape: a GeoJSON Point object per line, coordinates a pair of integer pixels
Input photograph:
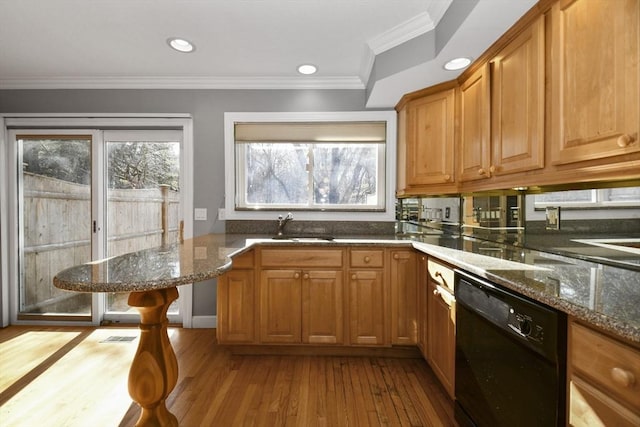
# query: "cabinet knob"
{"type": "Point", "coordinates": [305, 276]}
{"type": "Point", "coordinates": [354, 277]}
{"type": "Point", "coordinates": [436, 292]}
{"type": "Point", "coordinates": [296, 275]}
{"type": "Point", "coordinates": [622, 377]}
{"type": "Point", "coordinates": [396, 256]}
{"type": "Point", "coordinates": [625, 140]}
{"type": "Point", "coordinates": [481, 171]}
{"type": "Point", "coordinates": [367, 259]}
{"type": "Point", "coordinates": [492, 169]}
{"type": "Point", "coordinates": [447, 178]}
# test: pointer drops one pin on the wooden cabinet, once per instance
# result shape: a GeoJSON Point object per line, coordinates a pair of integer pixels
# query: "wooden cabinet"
{"type": "Point", "coordinates": [426, 143]}
{"type": "Point", "coordinates": [280, 306]}
{"type": "Point", "coordinates": [368, 308]}
{"type": "Point", "coordinates": [404, 293]}
{"type": "Point", "coordinates": [441, 340]}
{"type": "Point", "coordinates": [517, 103]}
{"type": "Point", "coordinates": [236, 302]}
{"type": "Point", "coordinates": [604, 380]}
{"type": "Point", "coordinates": [475, 153]}
{"type": "Point", "coordinates": [594, 80]}
{"type": "Point", "coordinates": [423, 292]}
{"type": "Point", "coordinates": [302, 304]}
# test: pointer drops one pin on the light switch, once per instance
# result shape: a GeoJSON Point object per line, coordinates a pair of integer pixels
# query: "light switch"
{"type": "Point", "coordinates": [200, 214]}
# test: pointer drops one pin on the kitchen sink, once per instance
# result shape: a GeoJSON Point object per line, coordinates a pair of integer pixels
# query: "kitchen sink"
{"type": "Point", "coordinates": [304, 238]}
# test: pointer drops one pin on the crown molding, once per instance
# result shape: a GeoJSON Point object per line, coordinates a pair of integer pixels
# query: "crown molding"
{"type": "Point", "coordinates": [401, 33]}
{"type": "Point", "coordinates": [170, 82]}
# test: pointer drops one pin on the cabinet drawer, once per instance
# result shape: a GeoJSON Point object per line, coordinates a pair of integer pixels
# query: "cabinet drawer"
{"type": "Point", "coordinates": [590, 407]}
{"type": "Point", "coordinates": [440, 274]}
{"type": "Point", "coordinates": [244, 260]}
{"type": "Point", "coordinates": [301, 257]}
{"type": "Point", "coordinates": [610, 364]}
{"type": "Point", "coordinates": [366, 258]}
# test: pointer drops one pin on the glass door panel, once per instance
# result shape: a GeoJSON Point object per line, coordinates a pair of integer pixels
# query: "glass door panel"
{"type": "Point", "coordinates": [143, 199]}
{"type": "Point", "coordinates": [54, 206]}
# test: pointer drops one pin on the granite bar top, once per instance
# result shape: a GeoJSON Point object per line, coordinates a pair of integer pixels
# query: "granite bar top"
{"type": "Point", "coordinates": [604, 296]}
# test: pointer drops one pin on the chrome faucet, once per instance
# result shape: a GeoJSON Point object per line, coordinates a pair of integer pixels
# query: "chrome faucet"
{"type": "Point", "coordinates": [283, 221]}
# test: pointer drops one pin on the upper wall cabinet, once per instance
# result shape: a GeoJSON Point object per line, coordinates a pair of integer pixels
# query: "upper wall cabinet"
{"type": "Point", "coordinates": [475, 154]}
{"type": "Point", "coordinates": [517, 103]}
{"type": "Point", "coordinates": [426, 143]}
{"type": "Point", "coordinates": [594, 79]}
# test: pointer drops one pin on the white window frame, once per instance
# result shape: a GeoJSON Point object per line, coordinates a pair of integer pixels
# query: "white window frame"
{"type": "Point", "coordinates": [62, 123]}
{"type": "Point", "coordinates": [231, 118]}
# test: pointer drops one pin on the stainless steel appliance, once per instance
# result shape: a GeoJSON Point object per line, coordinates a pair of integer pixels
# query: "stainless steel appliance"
{"type": "Point", "coordinates": [510, 358]}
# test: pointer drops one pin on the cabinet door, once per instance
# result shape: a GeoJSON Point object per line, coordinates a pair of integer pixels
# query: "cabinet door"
{"type": "Point", "coordinates": [366, 307]}
{"type": "Point", "coordinates": [594, 79]}
{"type": "Point", "coordinates": [475, 156]}
{"type": "Point", "coordinates": [517, 103]}
{"type": "Point", "coordinates": [280, 306]}
{"type": "Point", "coordinates": [430, 139]}
{"type": "Point", "coordinates": [236, 308]}
{"type": "Point", "coordinates": [403, 282]}
{"type": "Point", "coordinates": [441, 344]}
{"type": "Point", "coordinates": [422, 304]}
{"type": "Point", "coordinates": [322, 307]}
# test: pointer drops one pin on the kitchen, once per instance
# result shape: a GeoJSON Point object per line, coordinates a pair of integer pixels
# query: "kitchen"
{"type": "Point", "coordinates": [93, 100]}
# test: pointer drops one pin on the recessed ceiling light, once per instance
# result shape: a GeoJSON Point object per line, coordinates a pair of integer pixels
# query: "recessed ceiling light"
{"type": "Point", "coordinates": [457, 64]}
{"type": "Point", "coordinates": [181, 45]}
{"type": "Point", "coordinates": [307, 69]}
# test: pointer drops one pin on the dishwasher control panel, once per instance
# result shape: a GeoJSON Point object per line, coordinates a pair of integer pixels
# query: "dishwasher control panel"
{"type": "Point", "coordinates": [525, 326]}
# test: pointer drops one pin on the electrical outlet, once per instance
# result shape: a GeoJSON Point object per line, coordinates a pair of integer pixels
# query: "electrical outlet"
{"type": "Point", "coordinates": [552, 218]}
{"type": "Point", "coordinates": [221, 214]}
{"type": "Point", "coordinates": [200, 214]}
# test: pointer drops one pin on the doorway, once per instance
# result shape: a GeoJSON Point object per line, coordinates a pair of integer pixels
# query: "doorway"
{"type": "Point", "coordinates": [86, 194]}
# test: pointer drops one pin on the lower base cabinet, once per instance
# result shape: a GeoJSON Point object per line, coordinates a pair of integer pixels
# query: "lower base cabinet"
{"type": "Point", "coordinates": [441, 327]}
{"type": "Point", "coordinates": [604, 380]}
{"type": "Point", "coordinates": [367, 314]}
{"type": "Point", "coordinates": [236, 303]}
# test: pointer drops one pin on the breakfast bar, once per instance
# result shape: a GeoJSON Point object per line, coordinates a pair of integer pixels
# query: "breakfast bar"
{"type": "Point", "coordinates": [151, 277]}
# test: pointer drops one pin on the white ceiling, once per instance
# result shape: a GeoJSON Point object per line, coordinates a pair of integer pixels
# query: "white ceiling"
{"type": "Point", "coordinates": [239, 43]}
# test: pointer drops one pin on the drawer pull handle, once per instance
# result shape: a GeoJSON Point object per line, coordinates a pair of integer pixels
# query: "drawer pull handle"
{"type": "Point", "coordinates": [625, 140]}
{"type": "Point", "coordinates": [367, 259]}
{"type": "Point", "coordinates": [622, 377]}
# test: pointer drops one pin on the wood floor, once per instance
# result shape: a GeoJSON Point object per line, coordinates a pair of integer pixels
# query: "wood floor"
{"type": "Point", "coordinates": [65, 377]}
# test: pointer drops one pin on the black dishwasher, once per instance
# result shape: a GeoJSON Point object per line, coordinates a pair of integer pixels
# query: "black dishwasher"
{"type": "Point", "coordinates": [510, 358]}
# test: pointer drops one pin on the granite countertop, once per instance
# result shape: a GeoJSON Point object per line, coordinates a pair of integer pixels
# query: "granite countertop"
{"type": "Point", "coordinates": [605, 296]}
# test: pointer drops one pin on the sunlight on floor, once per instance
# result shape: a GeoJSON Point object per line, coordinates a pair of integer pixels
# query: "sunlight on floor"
{"type": "Point", "coordinates": [85, 385]}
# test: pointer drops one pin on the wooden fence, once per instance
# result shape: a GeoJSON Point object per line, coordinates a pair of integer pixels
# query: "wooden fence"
{"type": "Point", "coordinates": [57, 226]}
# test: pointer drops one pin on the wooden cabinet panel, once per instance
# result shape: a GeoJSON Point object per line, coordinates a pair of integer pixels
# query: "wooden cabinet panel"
{"type": "Point", "coordinates": [517, 103]}
{"type": "Point", "coordinates": [367, 311]}
{"type": "Point", "coordinates": [441, 274]}
{"type": "Point", "coordinates": [423, 290]}
{"type": "Point", "coordinates": [236, 307]}
{"type": "Point", "coordinates": [301, 257]}
{"type": "Point", "coordinates": [441, 342]}
{"type": "Point", "coordinates": [475, 156]}
{"type": "Point", "coordinates": [590, 407]}
{"type": "Point", "coordinates": [609, 364]}
{"type": "Point", "coordinates": [594, 79]}
{"type": "Point", "coordinates": [280, 306]}
{"type": "Point", "coordinates": [359, 258]}
{"type": "Point", "coordinates": [322, 307]}
{"type": "Point", "coordinates": [403, 283]}
{"type": "Point", "coordinates": [430, 139]}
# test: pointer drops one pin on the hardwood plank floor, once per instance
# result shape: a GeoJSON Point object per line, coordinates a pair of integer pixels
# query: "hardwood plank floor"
{"type": "Point", "coordinates": [65, 376]}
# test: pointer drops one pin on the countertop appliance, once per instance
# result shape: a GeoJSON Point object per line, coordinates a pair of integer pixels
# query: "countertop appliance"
{"type": "Point", "coordinates": [510, 358]}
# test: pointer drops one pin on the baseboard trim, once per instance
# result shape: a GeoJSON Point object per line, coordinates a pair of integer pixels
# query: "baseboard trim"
{"type": "Point", "coordinates": [200, 322]}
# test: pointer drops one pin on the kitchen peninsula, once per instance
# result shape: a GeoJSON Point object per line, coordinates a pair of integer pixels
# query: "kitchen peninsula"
{"type": "Point", "coordinates": [610, 304]}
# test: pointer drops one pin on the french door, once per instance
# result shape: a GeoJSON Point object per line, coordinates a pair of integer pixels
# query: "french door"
{"type": "Point", "coordinates": [89, 194]}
